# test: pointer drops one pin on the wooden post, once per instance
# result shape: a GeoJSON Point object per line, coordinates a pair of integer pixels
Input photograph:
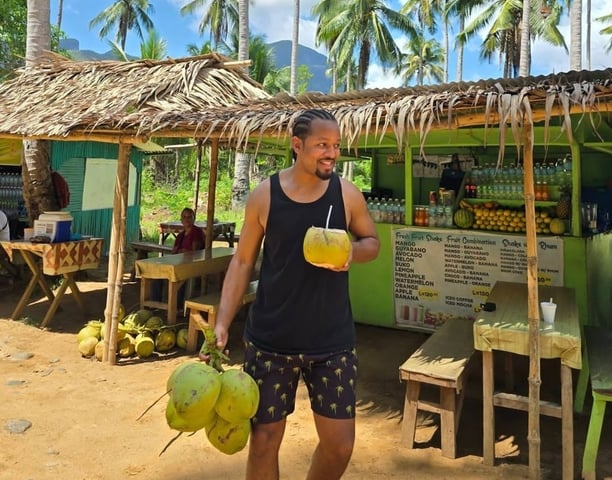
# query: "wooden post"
{"type": "Point", "coordinates": [212, 186]}
{"type": "Point", "coordinates": [116, 259]}
{"type": "Point", "coordinates": [198, 173]}
{"type": "Point", "coordinates": [533, 432]}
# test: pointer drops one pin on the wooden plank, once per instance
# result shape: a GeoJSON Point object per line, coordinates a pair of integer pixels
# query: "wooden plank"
{"type": "Point", "coordinates": [520, 402]}
{"type": "Point", "coordinates": [445, 354]}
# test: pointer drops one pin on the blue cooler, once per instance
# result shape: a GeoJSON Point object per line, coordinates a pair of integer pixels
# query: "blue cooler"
{"type": "Point", "coordinates": [56, 225]}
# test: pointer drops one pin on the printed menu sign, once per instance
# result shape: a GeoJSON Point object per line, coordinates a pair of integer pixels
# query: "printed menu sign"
{"type": "Point", "coordinates": [442, 274]}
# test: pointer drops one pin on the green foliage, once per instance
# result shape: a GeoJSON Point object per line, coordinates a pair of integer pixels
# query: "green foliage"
{"type": "Point", "coordinates": [13, 23]}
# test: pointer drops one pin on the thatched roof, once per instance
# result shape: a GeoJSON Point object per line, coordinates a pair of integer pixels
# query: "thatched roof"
{"type": "Point", "coordinates": [209, 97]}
{"type": "Point", "coordinates": [59, 97]}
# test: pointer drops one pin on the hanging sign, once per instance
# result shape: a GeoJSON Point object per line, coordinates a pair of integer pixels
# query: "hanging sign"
{"type": "Point", "coordinates": [441, 274]}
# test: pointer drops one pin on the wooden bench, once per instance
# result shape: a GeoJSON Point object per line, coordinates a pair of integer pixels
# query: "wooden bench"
{"type": "Point", "coordinates": [209, 304]}
{"type": "Point", "coordinates": [142, 250]}
{"type": "Point", "coordinates": [598, 341]}
{"type": "Point", "coordinates": [440, 361]}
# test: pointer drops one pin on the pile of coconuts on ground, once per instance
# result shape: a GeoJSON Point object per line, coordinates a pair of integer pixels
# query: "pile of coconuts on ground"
{"type": "Point", "coordinates": [139, 334]}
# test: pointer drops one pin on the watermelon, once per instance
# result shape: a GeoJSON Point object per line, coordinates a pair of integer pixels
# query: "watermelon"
{"type": "Point", "coordinates": [463, 218]}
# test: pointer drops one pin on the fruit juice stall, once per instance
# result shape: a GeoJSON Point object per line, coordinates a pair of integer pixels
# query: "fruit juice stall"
{"type": "Point", "coordinates": [444, 258]}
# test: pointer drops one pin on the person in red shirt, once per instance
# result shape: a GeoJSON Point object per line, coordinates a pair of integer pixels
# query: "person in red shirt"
{"type": "Point", "coordinates": [192, 237]}
{"type": "Point", "coordinates": [189, 239]}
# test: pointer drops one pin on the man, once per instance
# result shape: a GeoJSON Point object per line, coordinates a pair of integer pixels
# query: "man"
{"type": "Point", "coordinates": [300, 325]}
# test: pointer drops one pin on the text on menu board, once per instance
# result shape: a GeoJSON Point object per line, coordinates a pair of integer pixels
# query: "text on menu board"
{"type": "Point", "coordinates": [443, 274]}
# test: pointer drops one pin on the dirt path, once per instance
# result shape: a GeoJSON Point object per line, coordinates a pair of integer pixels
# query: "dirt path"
{"type": "Point", "coordinates": [84, 414]}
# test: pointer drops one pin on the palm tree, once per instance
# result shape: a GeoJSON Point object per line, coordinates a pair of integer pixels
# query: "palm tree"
{"type": "Point", "coordinates": [124, 15]}
{"type": "Point", "coordinates": [422, 60]}
{"type": "Point", "coordinates": [260, 55]}
{"type": "Point", "coordinates": [194, 50]}
{"type": "Point", "coordinates": [427, 12]}
{"type": "Point", "coordinates": [525, 56]}
{"type": "Point", "coordinates": [153, 47]}
{"type": "Point", "coordinates": [504, 21]}
{"type": "Point", "coordinates": [242, 161]}
{"type": "Point", "coordinates": [606, 30]}
{"type": "Point", "coordinates": [576, 35]}
{"type": "Point", "coordinates": [462, 9]}
{"type": "Point", "coordinates": [294, 46]}
{"type": "Point", "coordinates": [38, 191]}
{"type": "Point", "coordinates": [362, 28]}
{"type": "Point", "coordinates": [220, 17]}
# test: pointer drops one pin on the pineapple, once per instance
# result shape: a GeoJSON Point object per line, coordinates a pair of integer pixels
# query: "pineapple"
{"type": "Point", "coordinates": [564, 204]}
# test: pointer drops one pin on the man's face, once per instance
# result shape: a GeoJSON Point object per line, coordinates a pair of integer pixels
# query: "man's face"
{"type": "Point", "coordinates": [319, 151]}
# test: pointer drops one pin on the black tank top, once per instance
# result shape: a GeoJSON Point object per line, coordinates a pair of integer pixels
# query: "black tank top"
{"type": "Point", "coordinates": [300, 308]}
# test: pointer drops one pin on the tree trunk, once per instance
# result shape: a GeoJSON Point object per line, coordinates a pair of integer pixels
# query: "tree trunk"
{"type": "Point", "coordinates": [240, 186]}
{"type": "Point", "coordinates": [576, 35]}
{"type": "Point", "coordinates": [445, 42]}
{"type": "Point", "coordinates": [588, 35]}
{"type": "Point", "coordinates": [294, 46]}
{"type": "Point", "coordinates": [460, 51]}
{"type": "Point", "coordinates": [60, 12]}
{"type": "Point", "coordinates": [525, 57]}
{"type": "Point", "coordinates": [38, 191]}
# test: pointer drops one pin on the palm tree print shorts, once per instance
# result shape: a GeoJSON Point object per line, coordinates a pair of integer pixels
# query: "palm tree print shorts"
{"type": "Point", "coordinates": [330, 379]}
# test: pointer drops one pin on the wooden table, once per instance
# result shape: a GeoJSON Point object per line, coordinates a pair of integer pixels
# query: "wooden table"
{"type": "Point", "coordinates": [177, 269]}
{"type": "Point", "coordinates": [507, 329]}
{"type": "Point", "coordinates": [225, 230]}
{"type": "Point", "coordinates": [142, 250]}
{"type": "Point", "coordinates": [63, 258]}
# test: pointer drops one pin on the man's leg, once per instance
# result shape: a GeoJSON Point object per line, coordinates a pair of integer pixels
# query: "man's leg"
{"type": "Point", "coordinates": [336, 440]}
{"type": "Point", "coordinates": [265, 441]}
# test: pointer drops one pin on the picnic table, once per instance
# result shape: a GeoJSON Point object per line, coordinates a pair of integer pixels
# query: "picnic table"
{"type": "Point", "coordinates": [225, 230]}
{"type": "Point", "coordinates": [177, 269]}
{"type": "Point", "coordinates": [62, 258]}
{"type": "Point", "coordinates": [507, 329]}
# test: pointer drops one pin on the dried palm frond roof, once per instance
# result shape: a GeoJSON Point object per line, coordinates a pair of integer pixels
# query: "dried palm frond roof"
{"type": "Point", "coordinates": [377, 112]}
{"type": "Point", "coordinates": [210, 97]}
{"type": "Point", "coordinates": [58, 96]}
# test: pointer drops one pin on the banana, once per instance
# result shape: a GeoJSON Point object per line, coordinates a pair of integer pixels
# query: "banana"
{"type": "Point", "coordinates": [464, 204]}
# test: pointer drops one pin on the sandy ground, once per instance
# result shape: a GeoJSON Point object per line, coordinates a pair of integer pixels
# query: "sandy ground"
{"type": "Point", "coordinates": [84, 414]}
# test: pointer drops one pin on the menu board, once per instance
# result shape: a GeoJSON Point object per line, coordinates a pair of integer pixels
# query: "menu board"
{"type": "Point", "coordinates": [442, 274]}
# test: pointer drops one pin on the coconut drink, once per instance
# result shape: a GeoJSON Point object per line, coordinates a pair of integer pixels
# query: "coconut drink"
{"type": "Point", "coordinates": [327, 247]}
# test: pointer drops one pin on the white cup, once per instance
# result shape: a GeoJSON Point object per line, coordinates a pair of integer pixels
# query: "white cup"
{"type": "Point", "coordinates": [548, 311]}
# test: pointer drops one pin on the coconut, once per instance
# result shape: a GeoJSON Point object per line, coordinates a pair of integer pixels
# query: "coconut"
{"type": "Point", "coordinates": [144, 346]}
{"type": "Point", "coordinates": [154, 323]}
{"type": "Point", "coordinates": [195, 391]}
{"type": "Point", "coordinates": [165, 340]}
{"type": "Point", "coordinates": [88, 331]}
{"type": "Point", "coordinates": [227, 437]}
{"type": "Point", "coordinates": [239, 396]}
{"type": "Point", "coordinates": [126, 346]}
{"type": "Point", "coordinates": [177, 422]}
{"type": "Point", "coordinates": [87, 346]}
{"type": "Point", "coordinates": [181, 338]}
{"type": "Point", "coordinates": [327, 247]}
{"type": "Point", "coordinates": [99, 350]}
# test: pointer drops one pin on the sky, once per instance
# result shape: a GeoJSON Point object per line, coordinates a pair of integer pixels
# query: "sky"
{"type": "Point", "coordinates": [274, 20]}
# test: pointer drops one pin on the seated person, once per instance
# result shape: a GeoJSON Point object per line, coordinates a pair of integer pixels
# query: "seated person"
{"type": "Point", "coordinates": [191, 238]}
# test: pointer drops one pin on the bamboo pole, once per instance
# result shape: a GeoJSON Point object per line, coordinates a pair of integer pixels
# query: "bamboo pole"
{"type": "Point", "coordinates": [212, 187]}
{"type": "Point", "coordinates": [116, 255]}
{"type": "Point", "coordinates": [533, 432]}
{"type": "Point", "coordinates": [198, 173]}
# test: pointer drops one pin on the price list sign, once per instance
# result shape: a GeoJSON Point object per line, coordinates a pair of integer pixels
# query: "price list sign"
{"type": "Point", "coordinates": [443, 274]}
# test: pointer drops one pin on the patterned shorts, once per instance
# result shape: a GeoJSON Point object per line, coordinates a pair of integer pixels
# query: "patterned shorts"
{"type": "Point", "coordinates": [329, 378]}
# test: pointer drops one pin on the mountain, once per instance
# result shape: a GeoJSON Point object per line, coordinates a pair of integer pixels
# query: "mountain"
{"type": "Point", "coordinates": [281, 50]}
{"type": "Point", "coordinates": [316, 63]}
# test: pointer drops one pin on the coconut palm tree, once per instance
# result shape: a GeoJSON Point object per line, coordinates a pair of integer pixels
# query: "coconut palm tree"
{"type": "Point", "coordinates": [295, 40]}
{"type": "Point", "coordinates": [260, 55]}
{"type": "Point", "coordinates": [606, 30]}
{"type": "Point", "coordinates": [428, 12]}
{"type": "Point", "coordinates": [525, 40]}
{"type": "Point", "coordinates": [422, 60]}
{"type": "Point", "coordinates": [362, 28]}
{"type": "Point", "coordinates": [38, 191]}
{"type": "Point", "coordinates": [194, 50]}
{"type": "Point", "coordinates": [503, 18]}
{"type": "Point", "coordinates": [124, 15]}
{"type": "Point", "coordinates": [576, 35]}
{"type": "Point", "coordinates": [220, 17]}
